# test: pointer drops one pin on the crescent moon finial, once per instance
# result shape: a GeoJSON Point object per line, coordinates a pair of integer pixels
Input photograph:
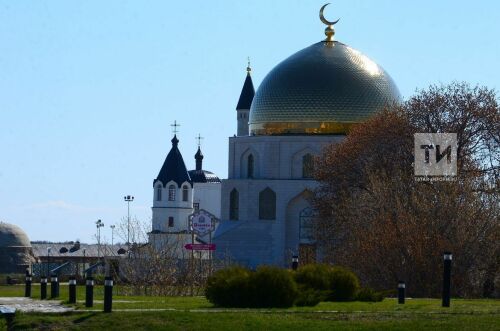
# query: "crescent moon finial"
{"type": "Point", "coordinates": [329, 31]}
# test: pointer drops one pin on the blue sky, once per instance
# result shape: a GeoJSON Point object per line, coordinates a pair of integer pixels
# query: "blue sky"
{"type": "Point", "coordinates": [88, 89]}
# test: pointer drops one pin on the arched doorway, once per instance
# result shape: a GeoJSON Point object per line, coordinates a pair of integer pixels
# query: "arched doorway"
{"type": "Point", "coordinates": [307, 244]}
{"type": "Point", "coordinates": [299, 230]}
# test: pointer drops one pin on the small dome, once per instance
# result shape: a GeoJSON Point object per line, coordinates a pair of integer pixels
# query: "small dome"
{"type": "Point", "coordinates": [13, 236]}
{"type": "Point", "coordinates": [322, 89]}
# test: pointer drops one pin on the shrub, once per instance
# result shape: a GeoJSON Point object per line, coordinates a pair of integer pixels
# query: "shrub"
{"type": "Point", "coordinates": [369, 295]}
{"type": "Point", "coordinates": [314, 276]}
{"type": "Point", "coordinates": [239, 287]}
{"type": "Point", "coordinates": [272, 287]}
{"type": "Point", "coordinates": [309, 297]}
{"type": "Point", "coordinates": [331, 283]}
{"type": "Point", "coordinates": [228, 287]}
{"type": "Point", "coordinates": [344, 284]}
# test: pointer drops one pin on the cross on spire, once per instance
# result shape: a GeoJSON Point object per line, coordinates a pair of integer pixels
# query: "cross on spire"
{"type": "Point", "coordinates": [199, 138]}
{"type": "Point", "coordinates": [174, 126]}
{"type": "Point", "coordinates": [249, 69]}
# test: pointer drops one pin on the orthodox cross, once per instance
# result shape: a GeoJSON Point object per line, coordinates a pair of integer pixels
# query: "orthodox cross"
{"type": "Point", "coordinates": [175, 125]}
{"type": "Point", "coordinates": [199, 138]}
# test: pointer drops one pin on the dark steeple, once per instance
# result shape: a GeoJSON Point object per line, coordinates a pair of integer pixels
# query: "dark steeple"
{"type": "Point", "coordinates": [199, 159]}
{"type": "Point", "coordinates": [173, 168]}
{"type": "Point", "coordinates": [247, 92]}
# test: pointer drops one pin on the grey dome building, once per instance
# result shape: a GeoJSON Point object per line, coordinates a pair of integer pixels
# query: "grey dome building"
{"type": "Point", "coordinates": [307, 102]}
{"type": "Point", "coordinates": [16, 253]}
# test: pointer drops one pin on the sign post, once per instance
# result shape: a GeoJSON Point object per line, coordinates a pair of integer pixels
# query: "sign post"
{"type": "Point", "coordinates": [202, 223]}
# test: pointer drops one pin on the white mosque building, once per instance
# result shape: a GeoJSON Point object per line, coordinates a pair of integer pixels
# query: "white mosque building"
{"type": "Point", "coordinates": [308, 101]}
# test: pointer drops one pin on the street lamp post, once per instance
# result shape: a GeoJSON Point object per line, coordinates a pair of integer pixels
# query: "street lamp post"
{"type": "Point", "coordinates": [112, 234]}
{"type": "Point", "coordinates": [99, 224]}
{"type": "Point", "coordinates": [128, 199]}
{"type": "Point", "coordinates": [48, 260]}
{"type": "Point", "coordinates": [84, 251]}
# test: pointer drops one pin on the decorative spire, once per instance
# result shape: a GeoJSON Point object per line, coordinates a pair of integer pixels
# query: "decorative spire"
{"type": "Point", "coordinates": [329, 31]}
{"type": "Point", "coordinates": [249, 69]}
{"type": "Point", "coordinates": [174, 141]}
{"type": "Point", "coordinates": [199, 159]}
{"type": "Point", "coordinates": [247, 92]}
{"type": "Point", "coordinates": [199, 155]}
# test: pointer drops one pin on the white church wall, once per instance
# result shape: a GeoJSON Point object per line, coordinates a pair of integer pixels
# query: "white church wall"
{"type": "Point", "coordinates": [178, 209]}
{"type": "Point", "coordinates": [208, 195]}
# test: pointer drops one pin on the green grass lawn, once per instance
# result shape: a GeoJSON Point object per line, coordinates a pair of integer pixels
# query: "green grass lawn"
{"type": "Point", "coordinates": [195, 313]}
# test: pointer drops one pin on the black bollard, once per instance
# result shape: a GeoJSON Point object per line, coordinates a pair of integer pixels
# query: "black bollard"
{"type": "Point", "coordinates": [27, 289]}
{"type": "Point", "coordinates": [447, 279]}
{"type": "Point", "coordinates": [295, 262]}
{"type": "Point", "coordinates": [89, 292]}
{"type": "Point", "coordinates": [401, 292]}
{"type": "Point", "coordinates": [108, 294]}
{"type": "Point", "coordinates": [72, 289]}
{"type": "Point", "coordinates": [43, 288]}
{"type": "Point", "coordinates": [54, 286]}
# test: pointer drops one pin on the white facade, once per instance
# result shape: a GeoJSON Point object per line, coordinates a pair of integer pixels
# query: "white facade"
{"type": "Point", "coordinates": [208, 196]}
{"type": "Point", "coordinates": [171, 206]}
{"type": "Point", "coordinates": [278, 167]}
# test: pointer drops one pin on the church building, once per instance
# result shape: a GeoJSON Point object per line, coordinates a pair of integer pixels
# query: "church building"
{"type": "Point", "coordinates": [177, 193]}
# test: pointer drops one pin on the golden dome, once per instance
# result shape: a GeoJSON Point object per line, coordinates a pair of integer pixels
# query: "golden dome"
{"type": "Point", "coordinates": [322, 89]}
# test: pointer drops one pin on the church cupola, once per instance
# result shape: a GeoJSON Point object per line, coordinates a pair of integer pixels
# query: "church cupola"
{"type": "Point", "coordinates": [173, 168]}
{"type": "Point", "coordinates": [244, 103]}
{"type": "Point", "coordinates": [199, 159]}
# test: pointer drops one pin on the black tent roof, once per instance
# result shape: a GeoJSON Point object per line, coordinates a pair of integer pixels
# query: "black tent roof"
{"type": "Point", "coordinates": [247, 94]}
{"type": "Point", "coordinates": [173, 168]}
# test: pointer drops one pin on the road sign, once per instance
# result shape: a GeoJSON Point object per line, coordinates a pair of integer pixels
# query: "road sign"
{"type": "Point", "coordinates": [202, 222]}
{"type": "Point", "coordinates": [200, 247]}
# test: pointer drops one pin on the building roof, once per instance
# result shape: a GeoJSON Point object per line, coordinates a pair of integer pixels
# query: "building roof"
{"type": "Point", "coordinates": [13, 236]}
{"type": "Point", "coordinates": [75, 249]}
{"type": "Point", "coordinates": [203, 176]}
{"type": "Point", "coordinates": [173, 168]}
{"type": "Point", "coordinates": [247, 93]}
{"type": "Point", "coordinates": [199, 175]}
{"type": "Point", "coordinates": [322, 89]}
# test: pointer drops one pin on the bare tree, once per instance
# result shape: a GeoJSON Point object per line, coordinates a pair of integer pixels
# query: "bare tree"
{"type": "Point", "coordinates": [375, 218]}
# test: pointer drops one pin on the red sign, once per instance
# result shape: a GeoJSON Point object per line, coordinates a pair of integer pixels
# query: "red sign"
{"type": "Point", "coordinates": [200, 247]}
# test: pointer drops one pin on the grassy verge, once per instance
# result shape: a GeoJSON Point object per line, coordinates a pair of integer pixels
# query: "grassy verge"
{"type": "Point", "coordinates": [167, 320]}
{"type": "Point", "coordinates": [196, 313]}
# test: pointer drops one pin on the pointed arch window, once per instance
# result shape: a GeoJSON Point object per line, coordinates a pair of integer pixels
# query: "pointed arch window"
{"type": "Point", "coordinates": [307, 166]}
{"type": "Point", "coordinates": [185, 193]}
{"type": "Point", "coordinates": [267, 204]}
{"type": "Point", "coordinates": [158, 193]}
{"type": "Point", "coordinates": [171, 193]}
{"type": "Point", "coordinates": [250, 166]}
{"type": "Point", "coordinates": [234, 202]}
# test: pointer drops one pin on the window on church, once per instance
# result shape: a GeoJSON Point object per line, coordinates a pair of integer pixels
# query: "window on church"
{"type": "Point", "coordinates": [250, 166]}
{"type": "Point", "coordinates": [234, 202]}
{"type": "Point", "coordinates": [171, 193]}
{"type": "Point", "coordinates": [158, 193]}
{"type": "Point", "coordinates": [307, 166]}
{"type": "Point", "coordinates": [185, 193]}
{"type": "Point", "coordinates": [196, 206]}
{"type": "Point", "coordinates": [170, 222]}
{"type": "Point", "coordinates": [267, 204]}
